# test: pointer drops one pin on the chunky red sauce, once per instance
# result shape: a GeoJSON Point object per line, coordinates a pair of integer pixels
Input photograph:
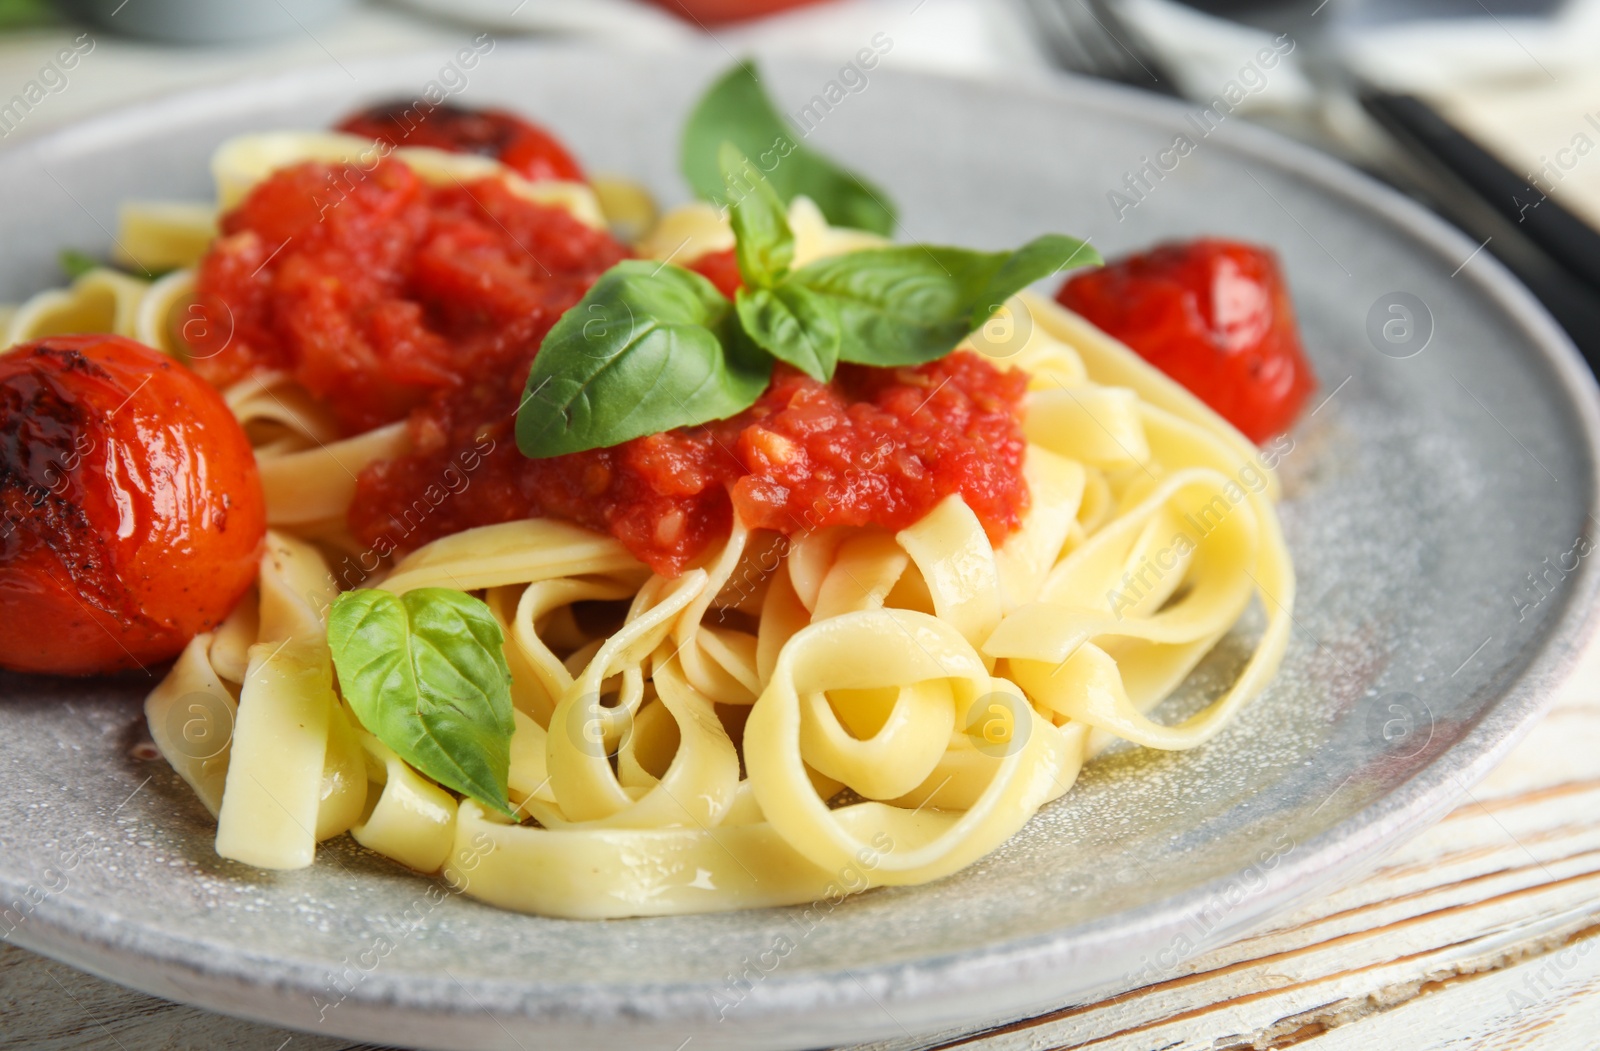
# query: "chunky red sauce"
{"type": "Point", "coordinates": [382, 294]}
{"type": "Point", "coordinates": [874, 446]}
{"type": "Point", "coordinates": [430, 304]}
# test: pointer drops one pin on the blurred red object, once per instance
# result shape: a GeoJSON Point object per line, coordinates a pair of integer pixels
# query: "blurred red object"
{"type": "Point", "coordinates": [1214, 315]}
{"type": "Point", "coordinates": [707, 12]}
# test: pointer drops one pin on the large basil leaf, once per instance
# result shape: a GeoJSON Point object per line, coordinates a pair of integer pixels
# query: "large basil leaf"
{"type": "Point", "coordinates": [651, 347]}
{"type": "Point", "coordinates": [908, 304]}
{"type": "Point", "coordinates": [763, 242]}
{"type": "Point", "coordinates": [736, 109]}
{"type": "Point", "coordinates": [425, 672]}
{"type": "Point", "coordinates": [792, 323]}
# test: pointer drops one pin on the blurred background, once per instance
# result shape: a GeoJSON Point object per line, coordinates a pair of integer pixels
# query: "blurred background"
{"type": "Point", "coordinates": [1486, 110]}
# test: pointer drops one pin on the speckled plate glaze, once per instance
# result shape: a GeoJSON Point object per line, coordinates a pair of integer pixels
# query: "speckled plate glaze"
{"type": "Point", "coordinates": [1439, 508]}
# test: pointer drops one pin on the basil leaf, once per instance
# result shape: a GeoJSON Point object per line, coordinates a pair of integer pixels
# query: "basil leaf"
{"type": "Point", "coordinates": [1034, 261]}
{"type": "Point", "coordinates": [794, 324]}
{"type": "Point", "coordinates": [902, 305]}
{"type": "Point", "coordinates": [908, 304]}
{"type": "Point", "coordinates": [736, 109]}
{"type": "Point", "coordinates": [763, 242]}
{"type": "Point", "coordinates": [75, 263]}
{"type": "Point", "coordinates": [426, 673]}
{"type": "Point", "coordinates": [651, 347]}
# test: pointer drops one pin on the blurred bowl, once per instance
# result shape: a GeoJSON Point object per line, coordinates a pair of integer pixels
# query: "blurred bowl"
{"type": "Point", "coordinates": [205, 21]}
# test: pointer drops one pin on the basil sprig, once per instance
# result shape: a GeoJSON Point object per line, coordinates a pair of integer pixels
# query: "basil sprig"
{"type": "Point", "coordinates": [425, 673]}
{"type": "Point", "coordinates": [889, 306]}
{"type": "Point", "coordinates": [649, 348]}
{"type": "Point", "coordinates": [736, 109]}
{"type": "Point", "coordinates": [653, 347]}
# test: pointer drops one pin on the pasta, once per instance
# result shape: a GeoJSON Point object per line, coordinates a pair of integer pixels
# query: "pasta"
{"type": "Point", "coordinates": [895, 704]}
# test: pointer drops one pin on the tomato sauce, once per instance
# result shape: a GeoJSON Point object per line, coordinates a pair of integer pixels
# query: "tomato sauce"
{"type": "Point", "coordinates": [721, 269]}
{"type": "Point", "coordinates": [403, 301]}
{"type": "Point", "coordinates": [381, 293]}
{"type": "Point", "coordinates": [871, 447]}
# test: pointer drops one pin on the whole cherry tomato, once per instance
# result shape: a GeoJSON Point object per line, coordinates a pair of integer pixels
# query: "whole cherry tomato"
{"type": "Point", "coordinates": [1214, 315]}
{"type": "Point", "coordinates": [710, 12]}
{"type": "Point", "coordinates": [131, 514]}
{"type": "Point", "coordinates": [520, 145]}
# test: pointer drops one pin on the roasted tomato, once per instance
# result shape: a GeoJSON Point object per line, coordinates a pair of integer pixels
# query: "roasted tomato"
{"type": "Point", "coordinates": [132, 512]}
{"type": "Point", "coordinates": [519, 144]}
{"type": "Point", "coordinates": [1215, 316]}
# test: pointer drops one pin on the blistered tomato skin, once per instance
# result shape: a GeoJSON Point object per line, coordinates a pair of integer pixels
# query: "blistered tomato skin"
{"type": "Point", "coordinates": [1214, 315]}
{"type": "Point", "coordinates": [520, 145]}
{"type": "Point", "coordinates": [133, 516]}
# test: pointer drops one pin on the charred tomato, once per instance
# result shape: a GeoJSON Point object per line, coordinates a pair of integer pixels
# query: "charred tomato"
{"type": "Point", "coordinates": [131, 514]}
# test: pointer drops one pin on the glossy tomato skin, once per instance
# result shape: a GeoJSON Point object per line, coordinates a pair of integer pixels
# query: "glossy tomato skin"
{"type": "Point", "coordinates": [521, 145]}
{"type": "Point", "coordinates": [1214, 315]}
{"type": "Point", "coordinates": [133, 515]}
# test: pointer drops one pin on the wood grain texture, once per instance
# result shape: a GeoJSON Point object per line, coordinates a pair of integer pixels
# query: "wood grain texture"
{"type": "Point", "coordinates": [1481, 933]}
{"type": "Point", "coordinates": [48, 1006]}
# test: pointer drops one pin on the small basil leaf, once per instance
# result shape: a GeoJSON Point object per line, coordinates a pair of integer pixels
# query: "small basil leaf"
{"type": "Point", "coordinates": [901, 305]}
{"type": "Point", "coordinates": [736, 109]}
{"type": "Point", "coordinates": [793, 324]}
{"type": "Point", "coordinates": [651, 347]}
{"type": "Point", "coordinates": [425, 672]}
{"type": "Point", "coordinates": [1034, 261]}
{"type": "Point", "coordinates": [763, 242]}
{"type": "Point", "coordinates": [75, 263]}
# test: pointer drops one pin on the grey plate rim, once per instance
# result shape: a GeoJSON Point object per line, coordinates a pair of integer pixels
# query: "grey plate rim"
{"type": "Point", "coordinates": [1004, 980]}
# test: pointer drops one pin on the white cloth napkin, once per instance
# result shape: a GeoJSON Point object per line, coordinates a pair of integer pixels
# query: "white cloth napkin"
{"type": "Point", "coordinates": [1443, 46]}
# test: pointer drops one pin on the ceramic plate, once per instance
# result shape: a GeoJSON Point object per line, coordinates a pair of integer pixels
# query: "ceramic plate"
{"type": "Point", "coordinates": [1438, 507]}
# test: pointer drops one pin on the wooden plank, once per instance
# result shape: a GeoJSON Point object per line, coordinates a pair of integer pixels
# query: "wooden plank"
{"type": "Point", "coordinates": [48, 1006]}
